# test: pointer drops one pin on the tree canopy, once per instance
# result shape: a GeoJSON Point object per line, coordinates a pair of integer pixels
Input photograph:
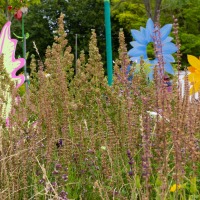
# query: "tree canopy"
{"type": "Point", "coordinates": [133, 14]}
{"type": "Point", "coordinates": [82, 16]}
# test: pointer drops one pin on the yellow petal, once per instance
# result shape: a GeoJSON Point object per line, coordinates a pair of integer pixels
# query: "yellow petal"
{"type": "Point", "coordinates": [173, 188]}
{"type": "Point", "coordinates": [195, 88]}
{"type": "Point", "coordinates": [194, 77]}
{"type": "Point", "coordinates": [194, 62]}
{"type": "Point", "coordinates": [192, 69]}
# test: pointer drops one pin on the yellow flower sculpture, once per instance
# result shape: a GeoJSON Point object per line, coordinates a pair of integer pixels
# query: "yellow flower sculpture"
{"type": "Point", "coordinates": [194, 76]}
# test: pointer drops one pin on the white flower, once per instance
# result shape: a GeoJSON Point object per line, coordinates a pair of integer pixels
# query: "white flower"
{"type": "Point", "coordinates": [24, 10]}
{"type": "Point", "coordinates": [103, 148]}
{"type": "Point", "coordinates": [47, 75]}
{"type": "Point", "coordinates": [155, 114]}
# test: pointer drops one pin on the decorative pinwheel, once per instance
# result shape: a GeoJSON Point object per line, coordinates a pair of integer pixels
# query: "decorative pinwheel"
{"type": "Point", "coordinates": [145, 38]}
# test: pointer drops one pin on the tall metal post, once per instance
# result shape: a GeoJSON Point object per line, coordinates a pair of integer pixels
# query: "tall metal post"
{"type": "Point", "coordinates": [108, 41]}
{"type": "Point", "coordinates": [24, 52]}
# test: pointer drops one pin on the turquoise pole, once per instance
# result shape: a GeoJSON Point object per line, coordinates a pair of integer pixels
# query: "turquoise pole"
{"type": "Point", "coordinates": [108, 42]}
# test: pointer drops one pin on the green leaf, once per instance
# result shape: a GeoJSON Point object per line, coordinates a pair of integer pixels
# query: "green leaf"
{"type": "Point", "coordinates": [158, 182]}
{"type": "Point", "coordinates": [27, 54]}
{"type": "Point", "coordinates": [147, 68]}
{"type": "Point", "coordinates": [137, 181]}
{"type": "Point", "coordinates": [27, 35]}
{"type": "Point", "coordinates": [193, 185]}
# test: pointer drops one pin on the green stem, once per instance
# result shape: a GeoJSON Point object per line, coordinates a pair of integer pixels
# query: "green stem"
{"type": "Point", "coordinates": [24, 51]}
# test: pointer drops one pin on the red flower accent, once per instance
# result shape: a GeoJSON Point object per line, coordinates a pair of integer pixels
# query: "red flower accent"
{"type": "Point", "coordinates": [18, 15]}
{"type": "Point", "coordinates": [9, 7]}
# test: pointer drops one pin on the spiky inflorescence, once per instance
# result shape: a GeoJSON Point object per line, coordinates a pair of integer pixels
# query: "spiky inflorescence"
{"type": "Point", "coordinates": [103, 135]}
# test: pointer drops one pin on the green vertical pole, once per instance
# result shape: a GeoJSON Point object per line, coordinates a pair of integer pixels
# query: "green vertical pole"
{"type": "Point", "coordinates": [24, 51]}
{"type": "Point", "coordinates": [108, 41]}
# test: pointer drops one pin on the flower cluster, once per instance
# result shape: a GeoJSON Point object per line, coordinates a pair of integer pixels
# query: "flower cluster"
{"type": "Point", "coordinates": [131, 161]}
{"type": "Point", "coordinates": [18, 12]}
{"type": "Point", "coordinates": [60, 176]}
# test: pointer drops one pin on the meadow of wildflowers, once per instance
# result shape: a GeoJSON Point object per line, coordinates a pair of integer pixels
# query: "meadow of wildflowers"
{"type": "Point", "coordinates": [72, 136]}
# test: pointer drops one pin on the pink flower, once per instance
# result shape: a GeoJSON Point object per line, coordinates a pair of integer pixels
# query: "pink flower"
{"type": "Point", "coordinates": [18, 15]}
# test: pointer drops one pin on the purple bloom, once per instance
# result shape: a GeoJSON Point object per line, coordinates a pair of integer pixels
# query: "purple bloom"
{"type": "Point", "coordinates": [59, 143]}
{"type": "Point", "coordinates": [128, 153]}
{"type": "Point", "coordinates": [42, 181]}
{"type": "Point", "coordinates": [65, 177]}
{"type": "Point", "coordinates": [131, 162]}
{"type": "Point", "coordinates": [130, 173]}
{"type": "Point", "coordinates": [54, 184]}
{"type": "Point", "coordinates": [63, 195]}
{"type": "Point", "coordinates": [55, 172]}
{"type": "Point", "coordinates": [58, 166]}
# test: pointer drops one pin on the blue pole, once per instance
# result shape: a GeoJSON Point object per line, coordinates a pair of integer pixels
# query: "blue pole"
{"type": "Point", "coordinates": [108, 42]}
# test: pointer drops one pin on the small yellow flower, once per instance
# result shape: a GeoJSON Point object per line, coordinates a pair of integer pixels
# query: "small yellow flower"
{"type": "Point", "coordinates": [175, 187]}
{"type": "Point", "coordinates": [194, 76]}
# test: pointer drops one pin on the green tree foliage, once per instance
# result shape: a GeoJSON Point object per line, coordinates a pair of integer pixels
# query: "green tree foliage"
{"type": "Point", "coordinates": [175, 3]}
{"type": "Point", "coordinates": [14, 5]}
{"type": "Point", "coordinates": [41, 22]}
{"type": "Point", "coordinates": [37, 26]}
{"type": "Point", "coordinates": [152, 8]}
{"type": "Point", "coordinates": [129, 13]}
{"type": "Point", "coordinates": [17, 3]}
{"type": "Point", "coordinates": [80, 18]}
{"type": "Point", "coordinates": [187, 13]}
{"type": "Point", "coordinates": [2, 19]}
{"type": "Point", "coordinates": [133, 14]}
{"type": "Point", "coordinates": [83, 16]}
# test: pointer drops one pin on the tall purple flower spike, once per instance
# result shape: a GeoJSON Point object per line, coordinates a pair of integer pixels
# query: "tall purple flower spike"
{"type": "Point", "coordinates": [144, 37]}
{"type": "Point", "coordinates": [7, 48]}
